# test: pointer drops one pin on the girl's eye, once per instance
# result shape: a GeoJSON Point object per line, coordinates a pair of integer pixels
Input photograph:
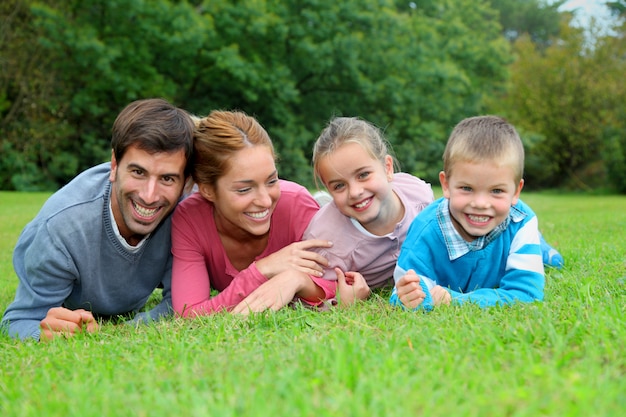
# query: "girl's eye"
{"type": "Point", "coordinates": [337, 187]}
{"type": "Point", "coordinates": [242, 190]}
{"type": "Point", "coordinates": [364, 175]}
{"type": "Point", "coordinates": [272, 181]}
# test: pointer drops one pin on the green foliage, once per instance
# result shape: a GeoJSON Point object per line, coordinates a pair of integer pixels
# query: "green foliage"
{"type": "Point", "coordinates": [413, 68]}
{"type": "Point", "coordinates": [563, 357]}
{"type": "Point", "coordinates": [569, 94]}
{"type": "Point", "coordinates": [538, 19]}
{"type": "Point", "coordinates": [415, 71]}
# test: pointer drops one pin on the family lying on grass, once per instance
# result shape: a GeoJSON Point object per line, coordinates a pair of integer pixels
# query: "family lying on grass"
{"type": "Point", "coordinates": [102, 244]}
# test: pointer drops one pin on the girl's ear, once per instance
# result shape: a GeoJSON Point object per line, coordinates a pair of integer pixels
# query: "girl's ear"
{"type": "Point", "coordinates": [389, 167]}
{"type": "Point", "coordinates": [207, 191]}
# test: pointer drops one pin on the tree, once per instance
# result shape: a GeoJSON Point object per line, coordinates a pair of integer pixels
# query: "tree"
{"type": "Point", "coordinates": [414, 69]}
{"type": "Point", "coordinates": [570, 94]}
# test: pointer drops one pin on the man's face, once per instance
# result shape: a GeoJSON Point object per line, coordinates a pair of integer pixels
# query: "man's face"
{"type": "Point", "coordinates": [145, 189]}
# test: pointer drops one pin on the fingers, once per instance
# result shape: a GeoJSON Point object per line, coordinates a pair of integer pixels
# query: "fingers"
{"type": "Point", "coordinates": [314, 243]}
{"type": "Point", "coordinates": [351, 286]}
{"type": "Point", "coordinates": [341, 278]}
{"type": "Point", "coordinates": [66, 322]}
{"type": "Point", "coordinates": [410, 292]}
{"type": "Point", "coordinates": [440, 295]}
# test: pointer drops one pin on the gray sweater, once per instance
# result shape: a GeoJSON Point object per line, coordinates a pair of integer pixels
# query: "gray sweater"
{"type": "Point", "coordinates": [69, 256]}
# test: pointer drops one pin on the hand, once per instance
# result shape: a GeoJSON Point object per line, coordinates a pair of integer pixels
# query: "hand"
{"type": "Point", "coordinates": [62, 321]}
{"type": "Point", "coordinates": [272, 295]}
{"type": "Point", "coordinates": [409, 290]}
{"type": "Point", "coordinates": [440, 295]}
{"type": "Point", "coordinates": [351, 286]}
{"type": "Point", "coordinates": [295, 256]}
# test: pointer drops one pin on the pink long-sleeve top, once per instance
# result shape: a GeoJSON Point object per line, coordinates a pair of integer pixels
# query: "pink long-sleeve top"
{"type": "Point", "coordinates": [200, 263]}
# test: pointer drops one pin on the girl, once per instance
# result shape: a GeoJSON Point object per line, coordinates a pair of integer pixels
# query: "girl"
{"type": "Point", "coordinates": [368, 217]}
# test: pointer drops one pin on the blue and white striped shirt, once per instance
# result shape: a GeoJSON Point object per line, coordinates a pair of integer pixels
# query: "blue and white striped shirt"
{"type": "Point", "coordinates": [501, 267]}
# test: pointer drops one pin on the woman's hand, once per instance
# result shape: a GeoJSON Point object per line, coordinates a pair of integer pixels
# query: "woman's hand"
{"type": "Point", "coordinates": [296, 256]}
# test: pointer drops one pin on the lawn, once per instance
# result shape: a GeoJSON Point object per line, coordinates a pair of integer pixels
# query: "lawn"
{"type": "Point", "coordinates": [563, 357]}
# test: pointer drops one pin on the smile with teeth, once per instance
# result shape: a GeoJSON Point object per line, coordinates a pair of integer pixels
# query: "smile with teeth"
{"type": "Point", "coordinates": [145, 212]}
{"type": "Point", "coordinates": [478, 219]}
{"type": "Point", "coordinates": [362, 203]}
{"type": "Point", "coordinates": [259, 215]}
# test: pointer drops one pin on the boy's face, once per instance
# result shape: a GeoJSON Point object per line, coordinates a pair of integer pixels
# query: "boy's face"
{"type": "Point", "coordinates": [480, 195]}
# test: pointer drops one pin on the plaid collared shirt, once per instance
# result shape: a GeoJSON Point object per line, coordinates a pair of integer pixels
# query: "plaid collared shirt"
{"type": "Point", "coordinates": [456, 245]}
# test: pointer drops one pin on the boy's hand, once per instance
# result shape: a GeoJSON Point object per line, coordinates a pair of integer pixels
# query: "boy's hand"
{"type": "Point", "coordinates": [409, 291]}
{"type": "Point", "coordinates": [440, 295]}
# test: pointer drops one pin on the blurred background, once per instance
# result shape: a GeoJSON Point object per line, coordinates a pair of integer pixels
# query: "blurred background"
{"type": "Point", "coordinates": [555, 69]}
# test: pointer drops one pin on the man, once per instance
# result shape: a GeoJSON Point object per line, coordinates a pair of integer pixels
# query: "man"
{"type": "Point", "coordinates": [101, 244]}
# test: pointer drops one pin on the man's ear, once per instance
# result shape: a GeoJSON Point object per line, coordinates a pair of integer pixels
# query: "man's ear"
{"type": "Point", "coordinates": [113, 167]}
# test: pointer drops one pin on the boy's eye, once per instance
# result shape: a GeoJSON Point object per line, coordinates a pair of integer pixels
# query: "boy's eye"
{"type": "Point", "coordinates": [466, 188]}
{"type": "Point", "coordinates": [497, 191]}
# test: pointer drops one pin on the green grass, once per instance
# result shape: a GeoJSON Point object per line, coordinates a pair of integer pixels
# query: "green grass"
{"type": "Point", "coordinates": [562, 357]}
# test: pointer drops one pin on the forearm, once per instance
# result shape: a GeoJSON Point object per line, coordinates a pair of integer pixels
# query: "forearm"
{"type": "Point", "coordinates": [310, 291]}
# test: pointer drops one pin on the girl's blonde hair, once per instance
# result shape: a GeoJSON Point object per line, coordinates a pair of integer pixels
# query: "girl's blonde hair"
{"type": "Point", "coordinates": [342, 130]}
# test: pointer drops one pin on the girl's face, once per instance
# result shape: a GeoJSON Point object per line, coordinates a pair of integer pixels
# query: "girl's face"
{"type": "Point", "coordinates": [360, 187]}
{"type": "Point", "coordinates": [246, 195]}
{"type": "Point", "coordinates": [480, 195]}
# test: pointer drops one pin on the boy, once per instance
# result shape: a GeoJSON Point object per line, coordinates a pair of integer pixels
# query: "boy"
{"type": "Point", "coordinates": [479, 243]}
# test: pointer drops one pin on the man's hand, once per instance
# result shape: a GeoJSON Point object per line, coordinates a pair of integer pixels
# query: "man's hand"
{"type": "Point", "coordinates": [61, 321]}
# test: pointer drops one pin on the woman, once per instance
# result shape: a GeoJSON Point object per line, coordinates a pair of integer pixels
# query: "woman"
{"type": "Point", "coordinates": [243, 226]}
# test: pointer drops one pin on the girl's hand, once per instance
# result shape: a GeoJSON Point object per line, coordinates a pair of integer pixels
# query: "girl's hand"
{"type": "Point", "coordinates": [351, 286]}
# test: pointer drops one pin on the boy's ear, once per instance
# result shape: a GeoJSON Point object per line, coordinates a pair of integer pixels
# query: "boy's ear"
{"type": "Point", "coordinates": [517, 192]}
{"type": "Point", "coordinates": [444, 184]}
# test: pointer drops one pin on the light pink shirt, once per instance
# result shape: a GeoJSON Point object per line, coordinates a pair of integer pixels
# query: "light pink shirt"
{"type": "Point", "coordinates": [355, 249]}
{"type": "Point", "coordinates": [200, 261]}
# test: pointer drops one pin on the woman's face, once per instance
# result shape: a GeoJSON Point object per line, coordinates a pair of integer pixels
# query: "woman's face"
{"type": "Point", "coordinates": [246, 195]}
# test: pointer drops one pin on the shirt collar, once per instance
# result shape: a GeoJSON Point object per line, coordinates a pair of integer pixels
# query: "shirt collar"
{"type": "Point", "coordinates": [456, 245]}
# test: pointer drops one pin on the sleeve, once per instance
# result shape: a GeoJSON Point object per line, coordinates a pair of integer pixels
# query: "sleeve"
{"type": "Point", "coordinates": [191, 283]}
{"type": "Point", "coordinates": [46, 273]}
{"type": "Point", "coordinates": [523, 279]}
